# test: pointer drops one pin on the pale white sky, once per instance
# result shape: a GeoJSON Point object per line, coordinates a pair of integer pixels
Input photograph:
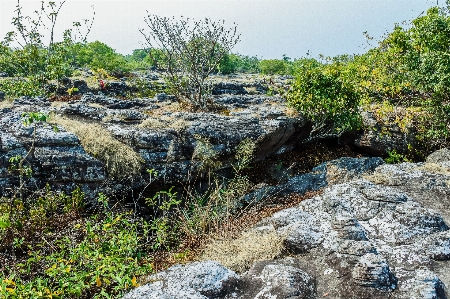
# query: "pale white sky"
{"type": "Point", "coordinates": [269, 28]}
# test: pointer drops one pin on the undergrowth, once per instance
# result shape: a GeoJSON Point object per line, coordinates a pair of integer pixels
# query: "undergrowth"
{"type": "Point", "coordinates": [77, 257]}
{"type": "Point", "coordinates": [52, 246]}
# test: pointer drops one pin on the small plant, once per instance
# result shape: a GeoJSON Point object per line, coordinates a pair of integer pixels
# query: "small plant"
{"type": "Point", "coordinates": [394, 157]}
{"type": "Point", "coordinates": [104, 263]}
{"type": "Point", "coordinates": [71, 90]}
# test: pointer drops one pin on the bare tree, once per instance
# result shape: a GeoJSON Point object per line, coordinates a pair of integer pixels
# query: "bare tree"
{"type": "Point", "coordinates": [191, 51]}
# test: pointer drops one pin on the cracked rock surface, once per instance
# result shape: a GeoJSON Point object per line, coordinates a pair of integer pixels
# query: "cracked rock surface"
{"type": "Point", "coordinates": [379, 232]}
{"type": "Point", "coordinates": [161, 134]}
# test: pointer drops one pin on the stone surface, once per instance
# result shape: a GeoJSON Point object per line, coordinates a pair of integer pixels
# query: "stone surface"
{"type": "Point", "coordinates": [196, 280]}
{"type": "Point", "coordinates": [439, 156]}
{"type": "Point", "coordinates": [383, 240]}
{"type": "Point", "coordinates": [328, 173]}
{"type": "Point", "coordinates": [164, 137]}
{"type": "Point", "coordinates": [377, 231]}
{"type": "Point", "coordinates": [281, 279]}
{"type": "Point", "coordinates": [57, 157]}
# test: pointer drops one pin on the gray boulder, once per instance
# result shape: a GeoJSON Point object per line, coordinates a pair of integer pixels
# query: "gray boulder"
{"type": "Point", "coordinates": [197, 280]}
{"type": "Point", "coordinates": [439, 156]}
{"type": "Point", "coordinates": [281, 279]}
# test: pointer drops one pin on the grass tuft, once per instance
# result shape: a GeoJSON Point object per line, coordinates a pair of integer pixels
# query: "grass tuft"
{"type": "Point", "coordinates": [6, 104]}
{"type": "Point", "coordinates": [120, 159]}
{"type": "Point", "coordinates": [239, 254]}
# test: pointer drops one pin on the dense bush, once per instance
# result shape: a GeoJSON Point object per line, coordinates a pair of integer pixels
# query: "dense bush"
{"type": "Point", "coordinates": [325, 97]}
{"type": "Point", "coordinates": [23, 52]}
{"type": "Point", "coordinates": [97, 55]}
{"type": "Point", "coordinates": [96, 257]}
{"type": "Point", "coordinates": [236, 63]}
{"type": "Point", "coordinates": [410, 67]}
{"type": "Point", "coordinates": [273, 67]}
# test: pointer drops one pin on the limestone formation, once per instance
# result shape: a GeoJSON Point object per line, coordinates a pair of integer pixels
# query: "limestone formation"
{"type": "Point", "coordinates": [374, 232]}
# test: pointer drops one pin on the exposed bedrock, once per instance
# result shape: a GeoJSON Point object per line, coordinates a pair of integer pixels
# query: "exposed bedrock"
{"type": "Point", "coordinates": [380, 232]}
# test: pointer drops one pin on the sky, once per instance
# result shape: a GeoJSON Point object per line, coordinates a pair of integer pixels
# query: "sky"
{"type": "Point", "coordinates": [269, 29]}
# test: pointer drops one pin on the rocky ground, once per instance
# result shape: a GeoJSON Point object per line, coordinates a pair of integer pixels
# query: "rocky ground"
{"type": "Point", "coordinates": [376, 230]}
{"type": "Point", "coordinates": [155, 133]}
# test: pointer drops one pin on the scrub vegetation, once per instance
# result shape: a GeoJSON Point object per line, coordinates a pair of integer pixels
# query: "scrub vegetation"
{"type": "Point", "coordinates": [56, 245]}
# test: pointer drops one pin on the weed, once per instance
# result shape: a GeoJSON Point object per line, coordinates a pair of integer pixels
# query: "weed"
{"type": "Point", "coordinates": [394, 157]}
{"type": "Point", "coordinates": [104, 263]}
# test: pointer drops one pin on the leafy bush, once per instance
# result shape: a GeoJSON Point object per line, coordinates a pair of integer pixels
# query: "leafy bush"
{"type": "Point", "coordinates": [141, 59]}
{"type": "Point", "coordinates": [97, 55]}
{"type": "Point", "coordinates": [104, 262]}
{"type": "Point", "coordinates": [409, 68]}
{"type": "Point", "coordinates": [236, 63]}
{"type": "Point", "coordinates": [274, 67]}
{"type": "Point", "coordinates": [323, 95]}
{"type": "Point", "coordinates": [18, 87]}
{"type": "Point", "coordinates": [32, 58]}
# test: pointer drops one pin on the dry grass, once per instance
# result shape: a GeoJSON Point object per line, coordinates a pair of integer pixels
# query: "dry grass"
{"type": "Point", "coordinates": [251, 90]}
{"type": "Point", "coordinates": [121, 160]}
{"type": "Point", "coordinates": [152, 123]}
{"type": "Point", "coordinates": [434, 168]}
{"type": "Point", "coordinates": [6, 104]}
{"type": "Point", "coordinates": [164, 122]}
{"type": "Point", "coordinates": [95, 105]}
{"type": "Point", "coordinates": [236, 234]}
{"type": "Point", "coordinates": [239, 254]}
{"type": "Point", "coordinates": [386, 179]}
{"type": "Point", "coordinates": [291, 112]}
{"type": "Point", "coordinates": [59, 104]}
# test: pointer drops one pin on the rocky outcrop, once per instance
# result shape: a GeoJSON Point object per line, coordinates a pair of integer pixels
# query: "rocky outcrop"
{"type": "Point", "coordinates": [381, 136]}
{"type": "Point", "coordinates": [163, 137]}
{"type": "Point", "coordinates": [56, 156]}
{"type": "Point", "coordinates": [328, 173]}
{"type": "Point", "coordinates": [194, 281]}
{"type": "Point", "coordinates": [376, 231]}
{"type": "Point", "coordinates": [228, 88]}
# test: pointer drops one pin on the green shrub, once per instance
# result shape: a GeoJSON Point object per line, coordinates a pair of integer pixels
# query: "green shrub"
{"type": "Point", "coordinates": [18, 87]}
{"type": "Point", "coordinates": [273, 67]}
{"type": "Point", "coordinates": [323, 95]}
{"type": "Point", "coordinates": [228, 64]}
{"type": "Point", "coordinates": [97, 55]}
{"type": "Point", "coordinates": [236, 63]}
{"type": "Point", "coordinates": [104, 263]}
{"type": "Point", "coordinates": [394, 158]}
{"type": "Point", "coordinates": [33, 59]}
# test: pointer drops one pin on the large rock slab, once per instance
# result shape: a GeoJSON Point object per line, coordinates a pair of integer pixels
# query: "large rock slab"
{"type": "Point", "coordinates": [155, 128]}
{"type": "Point", "coordinates": [197, 280]}
{"type": "Point", "coordinates": [55, 156]}
{"type": "Point", "coordinates": [376, 231]}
